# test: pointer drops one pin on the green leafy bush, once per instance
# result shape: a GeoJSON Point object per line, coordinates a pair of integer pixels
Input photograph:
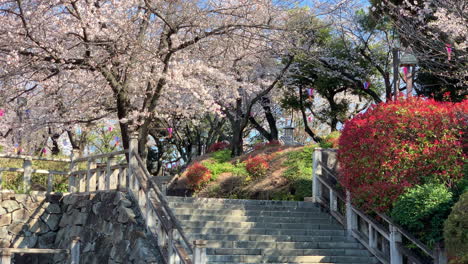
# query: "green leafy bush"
{"type": "Point", "coordinates": [299, 172]}
{"type": "Point", "coordinates": [217, 168]}
{"type": "Point", "coordinates": [221, 156]}
{"type": "Point", "coordinates": [331, 140]}
{"type": "Point", "coordinates": [422, 210]}
{"type": "Point", "coordinates": [456, 232]}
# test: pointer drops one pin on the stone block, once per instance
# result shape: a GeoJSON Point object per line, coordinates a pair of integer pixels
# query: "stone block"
{"type": "Point", "coordinates": [53, 208]}
{"type": "Point", "coordinates": [5, 219]}
{"type": "Point", "coordinates": [51, 220]}
{"type": "Point", "coordinates": [16, 228]}
{"type": "Point", "coordinates": [125, 215]}
{"type": "Point", "coordinates": [38, 226]}
{"type": "Point", "coordinates": [25, 241]}
{"type": "Point", "coordinates": [119, 252]}
{"type": "Point", "coordinates": [46, 240]}
{"type": "Point", "coordinates": [21, 215]}
{"type": "Point", "coordinates": [10, 205]}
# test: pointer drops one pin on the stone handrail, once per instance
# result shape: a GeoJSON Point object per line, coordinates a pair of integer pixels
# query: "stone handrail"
{"type": "Point", "coordinates": [159, 218]}
{"type": "Point", "coordinates": [78, 180]}
{"type": "Point", "coordinates": [28, 171]}
{"type": "Point", "coordinates": [364, 228]}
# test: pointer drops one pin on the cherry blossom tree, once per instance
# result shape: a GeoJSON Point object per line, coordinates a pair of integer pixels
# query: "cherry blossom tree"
{"type": "Point", "coordinates": [119, 57]}
{"type": "Point", "coordinates": [436, 32]}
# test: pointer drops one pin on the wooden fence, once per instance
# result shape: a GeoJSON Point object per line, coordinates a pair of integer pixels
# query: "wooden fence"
{"type": "Point", "coordinates": [384, 239]}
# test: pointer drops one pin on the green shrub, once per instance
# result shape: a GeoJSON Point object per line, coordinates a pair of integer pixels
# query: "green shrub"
{"type": "Point", "coordinates": [299, 172]}
{"type": "Point", "coordinates": [422, 210]}
{"type": "Point", "coordinates": [331, 140]}
{"type": "Point", "coordinates": [456, 231]}
{"type": "Point", "coordinates": [221, 156]}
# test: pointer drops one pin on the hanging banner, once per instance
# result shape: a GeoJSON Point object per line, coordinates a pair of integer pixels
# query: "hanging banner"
{"type": "Point", "coordinates": [366, 85]}
{"type": "Point", "coordinates": [170, 132]}
{"type": "Point", "coordinates": [2, 112]}
{"type": "Point", "coordinates": [405, 73]}
{"type": "Point", "coordinates": [448, 47]}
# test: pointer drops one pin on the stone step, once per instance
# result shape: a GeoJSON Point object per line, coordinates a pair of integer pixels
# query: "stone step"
{"type": "Point", "coordinates": [259, 219]}
{"type": "Point", "coordinates": [298, 259]}
{"type": "Point", "coordinates": [271, 252]}
{"type": "Point", "coordinates": [326, 231]}
{"type": "Point", "coordinates": [271, 238]}
{"type": "Point", "coordinates": [190, 211]}
{"type": "Point", "coordinates": [245, 207]}
{"type": "Point", "coordinates": [195, 201]}
{"type": "Point", "coordinates": [254, 225]}
{"type": "Point", "coordinates": [283, 245]}
{"type": "Point", "coordinates": [211, 262]}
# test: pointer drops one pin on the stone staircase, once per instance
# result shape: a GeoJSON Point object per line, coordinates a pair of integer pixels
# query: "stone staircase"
{"type": "Point", "coordinates": [255, 231]}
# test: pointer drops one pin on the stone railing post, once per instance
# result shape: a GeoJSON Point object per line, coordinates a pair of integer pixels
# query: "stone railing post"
{"type": "Point", "coordinates": [395, 237]}
{"type": "Point", "coordinates": [75, 250]}
{"type": "Point", "coordinates": [72, 180]}
{"type": "Point", "coordinates": [111, 176]}
{"type": "Point", "coordinates": [170, 247]}
{"type": "Point", "coordinates": [199, 252]}
{"type": "Point", "coordinates": [91, 177]}
{"type": "Point", "coordinates": [350, 217]}
{"type": "Point", "coordinates": [317, 171]}
{"type": "Point", "coordinates": [27, 166]}
{"type": "Point", "coordinates": [440, 256]}
{"type": "Point", "coordinates": [5, 257]}
{"type": "Point", "coordinates": [133, 162]}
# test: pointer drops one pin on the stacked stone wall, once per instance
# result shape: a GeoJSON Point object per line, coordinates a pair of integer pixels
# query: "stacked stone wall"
{"type": "Point", "coordinates": [108, 224]}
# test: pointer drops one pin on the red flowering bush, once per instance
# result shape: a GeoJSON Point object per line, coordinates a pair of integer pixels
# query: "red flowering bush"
{"type": "Point", "coordinates": [218, 146]}
{"type": "Point", "coordinates": [257, 166]}
{"type": "Point", "coordinates": [262, 145]}
{"type": "Point", "coordinates": [396, 145]}
{"type": "Point", "coordinates": [198, 175]}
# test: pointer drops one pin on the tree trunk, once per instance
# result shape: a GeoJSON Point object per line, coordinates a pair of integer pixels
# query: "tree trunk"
{"type": "Point", "coordinates": [304, 119]}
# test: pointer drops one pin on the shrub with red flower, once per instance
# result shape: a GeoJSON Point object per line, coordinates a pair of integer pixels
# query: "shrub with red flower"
{"type": "Point", "coordinates": [396, 145]}
{"type": "Point", "coordinates": [218, 146]}
{"type": "Point", "coordinates": [198, 175]}
{"type": "Point", "coordinates": [257, 166]}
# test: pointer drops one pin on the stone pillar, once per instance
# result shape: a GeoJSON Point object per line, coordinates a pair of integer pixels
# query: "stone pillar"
{"type": "Point", "coordinates": [317, 171]}
{"type": "Point", "coordinates": [199, 252]}
{"type": "Point", "coordinates": [395, 237]}
{"type": "Point", "coordinates": [133, 162]}
{"type": "Point", "coordinates": [5, 257]}
{"type": "Point", "coordinates": [27, 166]}
{"type": "Point", "coordinates": [72, 180]}
{"type": "Point", "coordinates": [75, 250]}
{"type": "Point", "coordinates": [351, 222]}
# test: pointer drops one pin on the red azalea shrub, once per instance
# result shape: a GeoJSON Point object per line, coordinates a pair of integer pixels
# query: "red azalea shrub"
{"type": "Point", "coordinates": [399, 144]}
{"type": "Point", "coordinates": [257, 166]}
{"type": "Point", "coordinates": [198, 175]}
{"type": "Point", "coordinates": [218, 146]}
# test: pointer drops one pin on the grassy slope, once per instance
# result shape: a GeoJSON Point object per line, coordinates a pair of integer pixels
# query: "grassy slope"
{"type": "Point", "coordinates": [289, 176]}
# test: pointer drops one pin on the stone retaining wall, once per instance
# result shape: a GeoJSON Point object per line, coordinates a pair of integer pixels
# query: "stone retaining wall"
{"type": "Point", "coordinates": [108, 224]}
